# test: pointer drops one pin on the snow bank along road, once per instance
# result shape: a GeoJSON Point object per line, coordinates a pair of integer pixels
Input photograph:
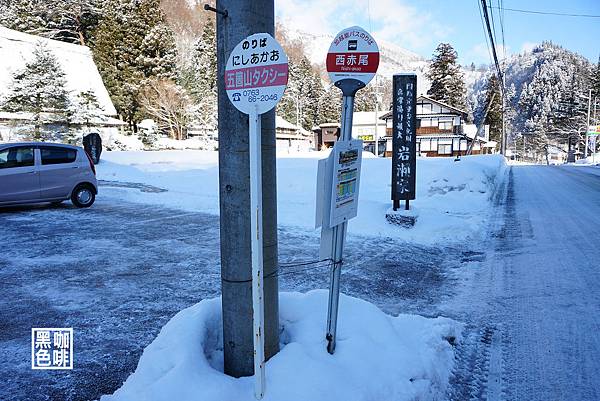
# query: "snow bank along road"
{"type": "Point", "coordinates": [117, 272]}
{"type": "Point", "coordinates": [534, 303]}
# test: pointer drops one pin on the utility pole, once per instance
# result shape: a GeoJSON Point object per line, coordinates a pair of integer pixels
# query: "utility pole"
{"type": "Point", "coordinates": [588, 123]}
{"type": "Point", "coordinates": [376, 136]}
{"type": "Point", "coordinates": [237, 19]}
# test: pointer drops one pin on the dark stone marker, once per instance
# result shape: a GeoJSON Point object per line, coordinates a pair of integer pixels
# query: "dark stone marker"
{"type": "Point", "coordinates": [404, 138]}
{"type": "Point", "coordinates": [92, 143]}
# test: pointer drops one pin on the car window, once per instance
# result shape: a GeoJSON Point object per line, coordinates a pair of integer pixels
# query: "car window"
{"type": "Point", "coordinates": [56, 155]}
{"type": "Point", "coordinates": [16, 157]}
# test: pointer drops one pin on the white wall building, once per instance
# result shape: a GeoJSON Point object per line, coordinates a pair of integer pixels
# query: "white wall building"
{"type": "Point", "coordinates": [291, 138]}
{"type": "Point", "coordinates": [363, 127]}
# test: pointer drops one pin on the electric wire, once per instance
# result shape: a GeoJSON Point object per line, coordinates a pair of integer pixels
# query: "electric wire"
{"type": "Point", "coordinates": [487, 44]}
{"type": "Point", "coordinates": [314, 264]}
{"type": "Point", "coordinates": [516, 10]}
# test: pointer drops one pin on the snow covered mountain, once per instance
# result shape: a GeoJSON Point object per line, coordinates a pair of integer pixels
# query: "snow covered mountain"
{"type": "Point", "coordinates": [393, 58]}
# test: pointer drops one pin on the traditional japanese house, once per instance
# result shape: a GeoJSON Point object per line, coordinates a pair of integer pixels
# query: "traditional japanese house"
{"type": "Point", "coordinates": [441, 130]}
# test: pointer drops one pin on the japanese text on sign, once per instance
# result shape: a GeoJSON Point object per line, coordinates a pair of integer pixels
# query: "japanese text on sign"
{"type": "Point", "coordinates": [256, 74]}
{"type": "Point", "coordinates": [346, 177]}
{"type": "Point", "coordinates": [256, 77]}
{"type": "Point", "coordinates": [404, 137]}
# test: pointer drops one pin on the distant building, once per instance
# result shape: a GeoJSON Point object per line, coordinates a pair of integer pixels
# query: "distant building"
{"type": "Point", "coordinates": [363, 127]}
{"type": "Point", "coordinates": [81, 74]}
{"type": "Point", "coordinates": [325, 135]}
{"type": "Point", "coordinates": [441, 130]}
{"type": "Point", "coordinates": [290, 137]}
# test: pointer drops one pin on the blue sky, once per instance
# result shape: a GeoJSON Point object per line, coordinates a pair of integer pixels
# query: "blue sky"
{"type": "Point", "coordinates": [419, 25]}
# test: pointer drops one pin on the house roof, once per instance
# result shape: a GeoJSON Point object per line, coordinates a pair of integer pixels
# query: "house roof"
{"type": "Point", "coordinates": [16, 49]}
{"type": "Point", "coordinates": [106, 121]}
{"type": "Point", "coordinates": [423, 97]}
{"type": "Point", "coordinates": [282, 123]}
{"type": "Point", "coordinates": [388, 115]}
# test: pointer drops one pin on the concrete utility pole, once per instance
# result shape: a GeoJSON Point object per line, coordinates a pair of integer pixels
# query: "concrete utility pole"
{"type": "Point", "coordinates": [588, 123]}
{"type": "Point", "coordinates": [243, 18]}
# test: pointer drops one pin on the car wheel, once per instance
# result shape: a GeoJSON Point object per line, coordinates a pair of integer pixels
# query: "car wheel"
{"type": "Point", "coordinates": [83, 196]}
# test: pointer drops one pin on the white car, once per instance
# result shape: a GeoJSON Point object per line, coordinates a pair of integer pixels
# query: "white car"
{"type": "Point", "coordinates": [36, 172]}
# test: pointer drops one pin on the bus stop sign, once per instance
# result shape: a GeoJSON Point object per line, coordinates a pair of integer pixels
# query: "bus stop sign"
{"type": "Point", "coordinates": [353, 54]}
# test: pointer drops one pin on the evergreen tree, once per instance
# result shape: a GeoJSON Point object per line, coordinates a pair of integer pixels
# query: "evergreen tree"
{"type": "Point", "coordinates": [200, 78]}
{"type": "Point", "coordinates": [132, 45]}
{"type": "Point", "coordinates": [549, 84]}
{"type": "Point", "coordinates": [301, 100]}
{"type": "Point", "coordinates": [39, 88]}
{"type": "Point", "coordinates": [65, 20]}
{"type": "Point", "coordinates": [86, 110]}
{"type": "Point", "coordinates": [596, 80]}
{"type": "Point", "coordinates": [330, 106]}
{"type": "Point", "coordinates": [447, 80]}
{"type": "Point", "coordinates": [365, 99]}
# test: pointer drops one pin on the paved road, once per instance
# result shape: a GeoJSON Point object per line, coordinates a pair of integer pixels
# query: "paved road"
{"type": "Point", "coordinates": [117, 272]}
{"type": "Point", "coordinates": [533, 306]}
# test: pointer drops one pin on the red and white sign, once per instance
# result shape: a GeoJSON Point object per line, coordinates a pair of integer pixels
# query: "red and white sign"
{"type": "Point", "coordinates": [256, 74]}
{"type": "Point", "coordinates": [353, 54]}
{"type": "Point", "coordinates": [594, 130]}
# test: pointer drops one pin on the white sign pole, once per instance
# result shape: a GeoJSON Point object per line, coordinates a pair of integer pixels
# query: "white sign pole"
{"type": "Point", "coordinates": [256, 76]}
{"type": "Point", "coordinates": [258, 306]}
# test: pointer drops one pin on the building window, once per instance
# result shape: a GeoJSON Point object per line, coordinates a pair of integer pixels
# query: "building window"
{"type": "Point", "coordinates": [445, 125]}
{"type": "Point", "coordinates": [444, 149]}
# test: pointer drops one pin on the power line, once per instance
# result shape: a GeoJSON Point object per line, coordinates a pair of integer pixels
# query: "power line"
{"type": "Point", "coordinates": [487, 44]}
{"type": "Point", "coordinates": [499, 71]}
{"type": "Point", "coordinates": [493, 23]}
{"type": "Point", "coordinates": [493, 45]}
{"type": "Point", "coordinates": [501, 5]}
{"type": "Point", "coordinates": [516, 10]}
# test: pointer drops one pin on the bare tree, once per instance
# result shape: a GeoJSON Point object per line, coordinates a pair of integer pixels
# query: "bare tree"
{"type": "Point", "coordinates": [168, 104]}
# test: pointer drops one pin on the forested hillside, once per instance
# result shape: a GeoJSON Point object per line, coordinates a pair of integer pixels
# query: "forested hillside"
{"type": "Point", "coordinates": [157, 59]}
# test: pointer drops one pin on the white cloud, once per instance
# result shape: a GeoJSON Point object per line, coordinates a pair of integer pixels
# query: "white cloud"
{"type": "Point", "coordinates": [390, 20]}
{"type": "Point", "coordinates": [528, 46]}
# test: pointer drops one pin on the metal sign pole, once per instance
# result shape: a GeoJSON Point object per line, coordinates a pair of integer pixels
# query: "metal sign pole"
{"type": "Point", "coordinates": [352, 62]}
{"type": "Point", "coordinates": [339, 235]}
{"type": "Point", "coordinates": [256, 231]}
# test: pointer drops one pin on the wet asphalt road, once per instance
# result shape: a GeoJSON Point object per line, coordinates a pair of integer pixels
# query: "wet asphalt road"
{"type": "Point", "coordinates": [117, 272]}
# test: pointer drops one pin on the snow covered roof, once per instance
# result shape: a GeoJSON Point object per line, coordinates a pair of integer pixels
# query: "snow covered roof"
{"type": "Point", "coordinates": [423, 97]}
{"type": "Point", "coordinates": [388, 115]}
{"type": "Point", "coordinates": [281, 122]}
{"type": "Point", "coordinates": [106, 121]}
{"type": "Point", "coordinates": [16, 49]}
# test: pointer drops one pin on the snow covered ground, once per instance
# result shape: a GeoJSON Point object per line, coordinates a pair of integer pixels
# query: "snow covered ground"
{"type": "Point", "coordinates": [378, 357]}
{"type": "Point", "coordinates": [453, 197]}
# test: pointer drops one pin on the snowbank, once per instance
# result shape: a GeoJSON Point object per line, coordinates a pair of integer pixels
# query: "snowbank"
{"type": "Point", "coordinates": [378, 357]}
{"type": "Point", "coordinates": [453, 198]}
{"type": "Point", "coordinates": [592, 160]}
